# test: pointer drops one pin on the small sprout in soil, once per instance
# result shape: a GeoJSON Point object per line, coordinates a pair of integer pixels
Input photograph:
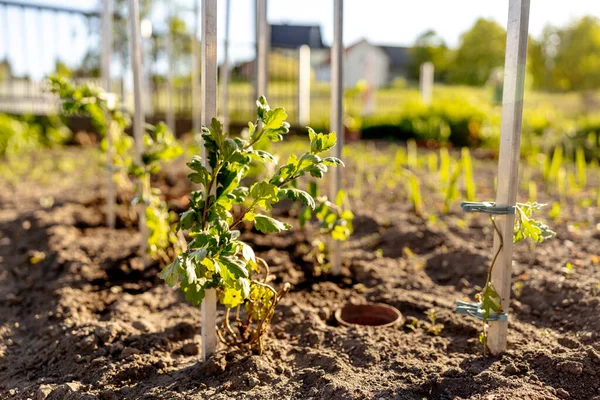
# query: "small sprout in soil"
{"type": "Point", "coordinates": [568, 269]}
{"type": "Point", "coordinates": [467, 165]}
{"type": "Point", "coordinates": [554, 212]}
{"type": "Point", "coordinates": [517, 288]}
{"type": "Point", "coordinates": [216, 257]}
{"type": "Point", "coordinates": [413, 324]}
{"type": "Point", "coordinates": [596, 289]}
{"type": "Point", "coordinates": [432, 326]}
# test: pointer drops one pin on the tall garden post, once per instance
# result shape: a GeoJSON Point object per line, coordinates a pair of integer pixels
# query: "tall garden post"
{"type": "Point", "coordinates": [138, 114]}
{"type": "Point", "coordinates": [196, 124]}
{"type": "Point", "coordinates": [508, 163]}
{"type": "Point", "coordinates": [146, 46]}
{"type": "Point", "coordinates": [336, 124]}
{"type": "Point", "coordinates": [170, 112]}
{"type": "Point", "coordinates": [209, 111]}
{"type": "Point", "coordinates": [262, 48]}
{"type": "Point", "coordinates": [426, 82]}
{"type": "Point", "coordinates": [107, 17]}
{"type": "Point", "coordinates": [225, 71]}
{"type": "Point", "coordinates": [304, 85]}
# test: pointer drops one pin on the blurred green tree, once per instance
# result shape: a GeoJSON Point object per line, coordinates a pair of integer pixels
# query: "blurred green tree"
{"type": "Point", "coordinates": [573, 55]}
{"type": "Point", "coordinates": [481, 49]}
{"type": "Point", "coordinates": [429, 46]}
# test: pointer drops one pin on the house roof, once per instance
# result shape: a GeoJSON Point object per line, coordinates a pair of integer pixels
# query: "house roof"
{"type": "Point", "coordinates": [399, 56]}
{"type": "Point", "coordinates": [294, 36]}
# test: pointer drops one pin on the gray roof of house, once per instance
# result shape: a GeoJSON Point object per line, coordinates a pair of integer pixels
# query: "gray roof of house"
{"type": "Point", "coordinates": [399, 56]}
{"type": "Point", "coordinates": [294, 36]}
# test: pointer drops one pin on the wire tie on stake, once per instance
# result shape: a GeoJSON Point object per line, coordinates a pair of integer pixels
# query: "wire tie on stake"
{"type": "Point", "coordinates": [486, 207]}
{"type": "Point", "coordinates": [475, 310]}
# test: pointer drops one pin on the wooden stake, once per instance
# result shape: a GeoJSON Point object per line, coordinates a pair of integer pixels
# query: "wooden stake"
{"type": "Point", "coordinates": [225, 71]}
{"type": "Point", "coordinates": [304, 71]}
{"type": "Point", "coordinates": [196, 106]}
{"type": "Point", "coordinates": [209, 111]}
{"type": "Point", "coordinates": [107, 17]}
{"type": "Point", "coordinates": [508, 163]}
{"type": "Point", "coordinates": [138, 114]}
{"type": "Point", "coordinates": [337, 113]}
{"type": "Point", "coordinates": [426, 82]}
{"type": "Point", "coordinates": [170, 112]}
{"type": "Point", "coordinates": [262, 48]}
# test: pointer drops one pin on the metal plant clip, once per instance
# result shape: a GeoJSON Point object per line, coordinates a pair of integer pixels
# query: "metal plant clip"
{"type": "Point", "coordinates": [475, 310]}
{"type": "Point", "coordinates": [486, 207]}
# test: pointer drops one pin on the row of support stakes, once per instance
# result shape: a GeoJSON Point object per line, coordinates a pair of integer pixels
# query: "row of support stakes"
{"type": "Point", "coordinates": [209, 111]}
{"type": "Point", "coordinates": [508, 162]}
{"type": "Point", "coordinates": [336, 124]}
{"type": "Point", "coordinates": [138, 112]}
{"type": "Point", "coordinates": [107, 20]}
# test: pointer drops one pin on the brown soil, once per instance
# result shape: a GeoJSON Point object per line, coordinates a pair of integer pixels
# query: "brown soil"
{"type": "Point", "coordinates": [88, 321]}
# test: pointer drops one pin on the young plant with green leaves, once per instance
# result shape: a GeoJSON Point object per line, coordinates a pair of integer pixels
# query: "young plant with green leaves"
{"type": "Point", "coordinates": [334, 221]}
{"type": "Point", "coordinates": [216, 258]}
{"type": "Point", "coordinates": [525, 227]}
{"type": "Point", "coordinates": [160, 146]}
{"type": "Point", "coordinates": [134, 179]}
{"type": "Point", "coordinates": [106, 115]}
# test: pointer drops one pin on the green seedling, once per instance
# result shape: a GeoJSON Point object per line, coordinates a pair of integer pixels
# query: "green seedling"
{"type": "Point", "coordinates": [334, 220]}
{"type": "Point", "coordinates": [432, 326]}
{"type": "Point", "coordinates": [581, 165]}
{"type": "Point", "coordinates": [104, 110]}
{"type": "Point", "coordinates": [412, 324]}
{"type": "Point", "coordinates": [555, 212]}
{"type": "Point", "coordinates": [216, 258]}
{"type": "Point", "coordinates": [432, 162]}
{"type": "Point", "coordinates": [401, 158]}
{"type": "Point", "coordinates": [444, 170]}
{"type": "Point", "coordinates": [525, 227]}
{"type": "Point", "coordinates": [133, 178]}
{"type": "Point", "coordinates": [467, 167]}
{"type": "Point", "coordinates": [552, 167]}
{"type": "Point", "coordinates": [160, 146]}
{"type": "Point", "coordinates": [412, 159]}
{"type": "Point", "coordinates": [568, 269]}
{"type": "Point", "coordinates": [532, 186]}
{"type": "Point", "coordinates": [451, 191]}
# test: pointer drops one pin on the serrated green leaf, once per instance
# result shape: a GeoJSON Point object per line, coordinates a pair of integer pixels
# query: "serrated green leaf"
{"type": "Point", "coordinates": [171, 273]}
{"type": "Point", "coordinates": [235, 266]}
{"type": "Point", "coordinates": [267, 224]}
{"type": "Point", "coordinates": [321, 142]}
{"type": "Point", "coordinates": [264, 194]}
{"type": "Point", "coordinates": [187, 219]}
{"type": "Point", "coordinates": [490, 300]}
{"type": "Point", "coordinates": [274, 118]}
{"type": "Point", "coordinates": [297, 194]}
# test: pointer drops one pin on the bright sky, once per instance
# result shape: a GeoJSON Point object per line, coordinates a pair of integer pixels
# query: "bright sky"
{"type": "Point", "coordinates": [35, 40]}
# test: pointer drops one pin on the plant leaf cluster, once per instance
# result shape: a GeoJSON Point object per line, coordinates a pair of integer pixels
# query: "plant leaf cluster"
{"type": "Point", "coordinates": [216, 257]}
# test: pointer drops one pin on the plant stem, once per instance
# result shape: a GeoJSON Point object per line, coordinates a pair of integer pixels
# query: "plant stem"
{"type": "Point", "coordinates": [489, 277]}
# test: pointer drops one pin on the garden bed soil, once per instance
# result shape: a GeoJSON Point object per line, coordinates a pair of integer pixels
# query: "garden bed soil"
{"type": "Point", "coordinates": [81, 317]}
